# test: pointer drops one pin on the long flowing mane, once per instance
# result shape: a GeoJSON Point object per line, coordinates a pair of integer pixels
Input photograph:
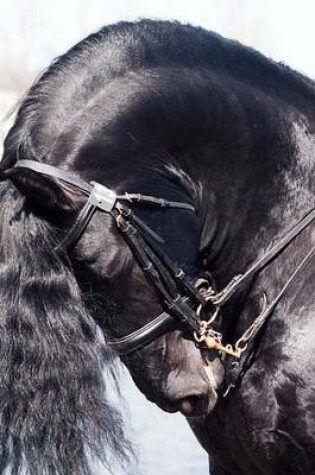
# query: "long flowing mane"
{"type": "Point", "coordinates": [54, 412]}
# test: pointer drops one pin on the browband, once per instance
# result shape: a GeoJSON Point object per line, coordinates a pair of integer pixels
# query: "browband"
{"type": "Point", "coordinates": [99, 197]}
{"type": "Point", "coordinates": [99, 194]}
{"type": "Point", "coordinates": [49, 170]}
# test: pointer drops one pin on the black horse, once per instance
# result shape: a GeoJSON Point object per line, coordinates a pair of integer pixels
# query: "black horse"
{"type": "Point", "coordinates": [176, 112]}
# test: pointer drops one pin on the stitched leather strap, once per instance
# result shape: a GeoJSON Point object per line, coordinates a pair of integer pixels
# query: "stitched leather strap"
{"type": "Point", "coordinates": [74, 233]}
{"type": "Point", "coordinates": [49, 170]}
{"type": "Point", "coordinates": [144, 335]}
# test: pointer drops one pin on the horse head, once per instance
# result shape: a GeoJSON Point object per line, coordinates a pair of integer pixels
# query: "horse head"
{"type": "Point", "coordinates": [169, 368]}
{"type": "Point", "coordinates": [181, 116]}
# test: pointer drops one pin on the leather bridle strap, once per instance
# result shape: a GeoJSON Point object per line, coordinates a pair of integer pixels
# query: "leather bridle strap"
{"type": "Point", "coordinates": [221, 297]}
{"type": "Point", "coordinates": [78, 228]}
{"type": "Point", "coordinates": [72, 179]}
{"type": "Point", "coordinates": [165, 285]}
{"type": "Point", "coordinates": [236, 371]}
{"type": "Point", "coordinates": [208, 337]}
{"type": "Point", "coordinates": [99, 197]}
{"type": "Point", "coordinates": [49, 170]}
{"type": "Point", "coordinates": [144, 335]}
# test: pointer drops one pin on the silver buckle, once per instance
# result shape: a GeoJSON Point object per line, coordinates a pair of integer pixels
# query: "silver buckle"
{"type": "Point", "coordinates": [102, 197]}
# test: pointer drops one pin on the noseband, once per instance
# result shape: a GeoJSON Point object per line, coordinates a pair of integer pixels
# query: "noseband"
{"type": "Point", "coordinates": [183, 301]}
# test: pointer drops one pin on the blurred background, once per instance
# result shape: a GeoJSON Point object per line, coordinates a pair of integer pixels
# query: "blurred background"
{"type": "Point", "coordinates": [33, 32]}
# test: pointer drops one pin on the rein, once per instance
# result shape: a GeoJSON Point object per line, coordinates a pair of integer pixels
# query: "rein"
{"type": "Point", "coordinates": [212, 339]}
{"type": "Point", "coordinates": [183, 301]}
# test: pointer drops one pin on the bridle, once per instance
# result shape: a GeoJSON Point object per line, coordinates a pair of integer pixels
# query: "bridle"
{"type": "Point", "coordinates": [184, 302]}
{"type": "Point", "coordinates": [176, 290]}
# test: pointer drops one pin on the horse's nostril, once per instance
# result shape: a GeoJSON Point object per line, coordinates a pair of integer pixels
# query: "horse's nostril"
{"type": "Point", "coordinates": [195, 405]}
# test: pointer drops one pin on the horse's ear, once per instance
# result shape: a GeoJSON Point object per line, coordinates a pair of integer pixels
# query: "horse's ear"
{"type": "Point", "coordinates": [45, 191]}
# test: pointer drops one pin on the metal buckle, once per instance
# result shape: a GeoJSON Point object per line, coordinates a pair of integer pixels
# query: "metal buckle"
{"type": "Point", "coordinates": [210, 339]}
{"type": "Point", "coordinates": [102, 197]}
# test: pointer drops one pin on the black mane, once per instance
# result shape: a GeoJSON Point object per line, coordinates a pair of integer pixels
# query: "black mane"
{"type": "Point", "coordinates": [53, 405]}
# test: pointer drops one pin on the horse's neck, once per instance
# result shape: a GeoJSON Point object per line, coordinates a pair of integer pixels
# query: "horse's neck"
{"type": "Point", "coordinates": [242, 222]}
